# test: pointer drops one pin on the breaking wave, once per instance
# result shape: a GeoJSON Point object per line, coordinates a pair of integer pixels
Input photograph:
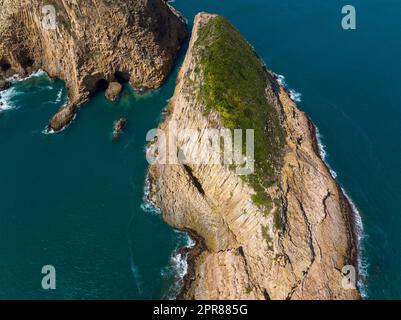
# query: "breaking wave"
{"type": "Point", "coordinates": [178, 266]}
{"type": "Point", "coordinates": [362, 262]}
{"type": "Point", "coordinates": [361, 237]}
{"type": "Point", "coordinates": [8, 95]}
{"type": "Point", "coordinates": [6, 98]}
{"type": "Point", "coordinates": [147, 205]}
{"type": "Point", "coordinates": [59, 96]}
{"type": "Point", "coordinates": [295, 96]}
{"type": "Point", "coordinates": [48, 131]}
{"type": "Point", "coordinates": [16, 78]}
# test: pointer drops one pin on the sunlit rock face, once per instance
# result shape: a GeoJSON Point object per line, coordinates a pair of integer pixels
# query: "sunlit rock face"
{"type": "Point", "coordinates": [295, 244]}
{"type": "Point", "coordinates": [91, 42]}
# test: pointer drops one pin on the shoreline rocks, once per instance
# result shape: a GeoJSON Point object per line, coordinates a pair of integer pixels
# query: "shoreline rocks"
{"type": "Point", "coordinates": [294, 251]}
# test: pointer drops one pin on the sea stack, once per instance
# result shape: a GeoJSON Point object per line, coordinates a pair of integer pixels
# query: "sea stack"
{"type": "Point", "coordinates": [283, 232]}
{"type": "Point", "coordinates": [62, 118]}
{"type": "Point", "coordinates": [134, 40]}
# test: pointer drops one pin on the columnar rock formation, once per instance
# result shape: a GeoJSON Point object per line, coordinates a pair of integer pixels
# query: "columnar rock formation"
{"type": "Point", "coordinates": [93, 42]}
{"type": "Point", "coordinates": [292, 248]}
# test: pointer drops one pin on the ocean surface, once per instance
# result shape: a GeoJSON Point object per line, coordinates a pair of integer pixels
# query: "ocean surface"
{"type": "Point", "coordinates": [75, 199]}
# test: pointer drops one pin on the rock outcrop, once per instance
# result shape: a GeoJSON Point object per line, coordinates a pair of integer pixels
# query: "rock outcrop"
{"type": "Point", "coordinates": [118, 128]}
{"type": "Point", "coordinates": [62, 118]}
{"type": "Point", "coordinates": [4, 85]}
{"type": "Point", "coordinates": [113, 91]}
{"type": "Point", "coordinates": [290, 244]}
{"type": "Point", "coordinates": [92, 42]}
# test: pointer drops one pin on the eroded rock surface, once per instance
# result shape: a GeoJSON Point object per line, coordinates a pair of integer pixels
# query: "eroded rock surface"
{"type": "Point", "coordinates": [113, 91]}
{"type": "Point", "coordinates": [93, 42]}
{"type": "Point", "coordinates": [294, 251]}
{"type": "Point", "coordinates": [62, 118]}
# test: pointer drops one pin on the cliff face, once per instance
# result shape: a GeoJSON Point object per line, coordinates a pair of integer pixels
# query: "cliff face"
{"type": "Point", "coordinates": [94, 42]}
{"type": "Point", "coordinates": [284, 237]}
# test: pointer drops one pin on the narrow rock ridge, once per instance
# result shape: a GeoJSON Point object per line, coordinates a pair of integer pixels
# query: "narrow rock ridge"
{"type": "Point", "coordinates": [295, 251]}
{"type": "Point", "coordinates": [94, 42]}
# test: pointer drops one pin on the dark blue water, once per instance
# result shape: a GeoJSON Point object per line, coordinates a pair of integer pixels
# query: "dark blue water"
{"type": "Point", "coordinates": [74, 199]}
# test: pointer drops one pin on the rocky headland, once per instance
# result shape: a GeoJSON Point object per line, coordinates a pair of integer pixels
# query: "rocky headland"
{"type": "Point", "coordinates": [284, 232]}
{"type": "Point", "coordinates": [92, 44]}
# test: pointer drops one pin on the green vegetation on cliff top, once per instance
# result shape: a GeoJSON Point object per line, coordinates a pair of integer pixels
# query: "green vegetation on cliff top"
{"type": "Point", "coordinates": [235, 81]}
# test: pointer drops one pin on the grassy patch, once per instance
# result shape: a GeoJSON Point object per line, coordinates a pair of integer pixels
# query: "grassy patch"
{"type": "Point", "coordinates": [248, 289]}
{"type": "Point", "coordinates": [234, 85]}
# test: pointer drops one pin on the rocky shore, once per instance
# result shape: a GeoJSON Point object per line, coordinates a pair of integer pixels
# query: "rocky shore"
{"type": "Point", "coordinates": [283, 232]}
{"type": "Point", "coordinates": [288, 238]}
{"type": "Point", "coordinates": [92, 44]}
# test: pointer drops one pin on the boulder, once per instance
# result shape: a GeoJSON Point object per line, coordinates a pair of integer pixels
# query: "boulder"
{"type": "Point", "coordinates": [118, 127]}
{"type": "Point", "coordinates": [113, 91]}
{"type": "Point", "coordinates": [62, 118]}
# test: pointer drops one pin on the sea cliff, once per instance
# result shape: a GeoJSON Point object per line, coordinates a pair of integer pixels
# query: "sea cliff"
{"type": "Point", "coordinates": [284, 232]}
{"type": "Point", "coordinates": [91, 44]}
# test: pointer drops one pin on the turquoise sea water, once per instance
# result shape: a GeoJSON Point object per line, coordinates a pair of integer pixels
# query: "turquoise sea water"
{"type": "Point", "coordinates": [74, 199]}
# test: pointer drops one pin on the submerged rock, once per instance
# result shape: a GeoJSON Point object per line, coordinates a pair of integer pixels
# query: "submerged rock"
{"type": "Point", "coordinates": [118, 128]}
{"type": "Point", "coordinates": [113, 91]}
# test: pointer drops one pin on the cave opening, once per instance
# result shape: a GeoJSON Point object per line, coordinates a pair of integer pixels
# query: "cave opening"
{"type": "Point", "coordinates": [27, 62]}
{"type": "Point", "coordinates": [4, 65]}
{"type": "Point", "coordinates": [122, 76]}
{"type": "Point", "coordinates": [101, 85]}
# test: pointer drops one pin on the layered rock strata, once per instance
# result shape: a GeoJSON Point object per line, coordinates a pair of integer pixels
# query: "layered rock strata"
{"type": "Point", "coordinates": [90, 43]}
{"type": "Point", "coordinates": [292, 245]}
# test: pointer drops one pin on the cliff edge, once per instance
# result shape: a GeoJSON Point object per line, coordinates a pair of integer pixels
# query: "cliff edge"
{"type": "Point", "coordinates": [283, 232]}
{"type": "Point", "coordinates": [90, 43]}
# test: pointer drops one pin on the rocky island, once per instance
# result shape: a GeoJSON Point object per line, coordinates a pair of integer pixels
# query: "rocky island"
{"type": "Point", "coordinates": [284, 232]}
{"type": "Point", "coordinates": [92, 44]}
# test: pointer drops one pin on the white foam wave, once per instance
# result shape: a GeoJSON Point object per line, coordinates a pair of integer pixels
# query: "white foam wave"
{"type": "Point", "coordinates": [295, 96]}
{"type": "Point", "coordinates": [48, 131]}
{"type": "Point", "coordinates": [362, 263]}
{"type": "Point", "coordinates": [8, 95]}
{"type": "Point", "coordinates": [17, 78]}
{"type": "Point", "coordinates": [323, 152]}
{"type": "Point", "coordinates": [6, 99]}
{"type": "Point", "coordinates": [147, 205]}
{"type": "Point", "coordinates": [178, 266]}
{"type": "Point", "coordinates": [59, 96]}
